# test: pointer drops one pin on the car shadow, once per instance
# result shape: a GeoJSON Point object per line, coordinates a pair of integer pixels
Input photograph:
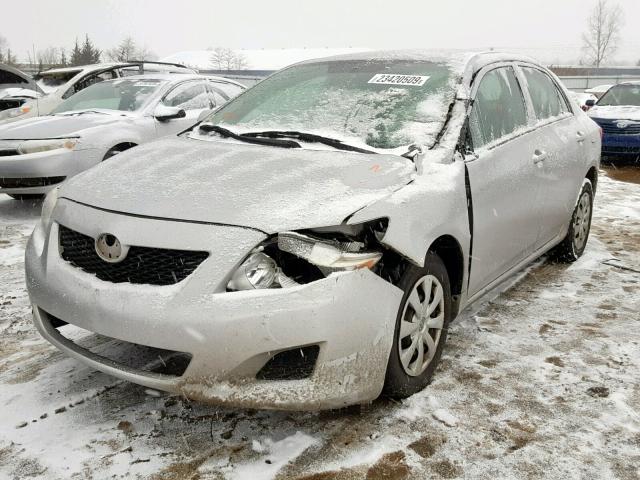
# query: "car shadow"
{"type": "Point", "coordinates": [19, 210]}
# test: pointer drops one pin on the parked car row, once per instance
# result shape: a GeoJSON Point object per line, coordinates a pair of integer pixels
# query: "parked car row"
{"type": "Point", "coordinates": [100, 121]}
{"type": "Point", "coordinates": [307, 244]}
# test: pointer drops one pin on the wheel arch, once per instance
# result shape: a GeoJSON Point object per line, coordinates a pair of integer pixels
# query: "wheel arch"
{"type": "Point", "coordinates": [449, 250]}
{"type": "Point", "coordinates": [122, 146]}
{"type": "Point", "coordinates": [592, 176]}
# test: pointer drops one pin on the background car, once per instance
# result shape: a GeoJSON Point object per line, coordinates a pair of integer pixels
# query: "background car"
{"type": "Point", "coordinates": [307, 244]}
{"type": "Point", "coordinates": [618, 114]}
{"type": "Point", "coordinates": [100, 121]}
{"type": "Point", "coordinates": [599, 90]}
{"type": "Point", "coordinates": [58, 84]}
{"type": "Point", "coordinates": [16, 88]}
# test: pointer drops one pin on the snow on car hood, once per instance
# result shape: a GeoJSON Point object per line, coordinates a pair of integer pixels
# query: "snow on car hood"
{"type": "Point", "coordinates": [616, 112]}
{"type": "Point", "coordinates": [268, 188]}
{"type": "Point", "coordinates": [53, 126]}
{"type": "Point", "coordinates": [15, 92]}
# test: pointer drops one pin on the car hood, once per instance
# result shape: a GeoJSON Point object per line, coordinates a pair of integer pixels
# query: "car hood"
{"type": "Point", "coordinates": [615, 113]}
{"type": "Point", "coordinates": [16, 92]}
{"type": "Point", "coordinates": [54, 126]}
{"type": "Point", "coordinates": [267, 188]}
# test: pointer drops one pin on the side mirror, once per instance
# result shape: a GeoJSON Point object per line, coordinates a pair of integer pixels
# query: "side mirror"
{"type": "Point", "coordinates": [590, 103]}
{"type": "Point", "coordinates": [164, 113]}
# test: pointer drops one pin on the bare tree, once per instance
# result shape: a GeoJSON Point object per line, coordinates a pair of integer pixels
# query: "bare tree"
{"type": "Point", "coordinates": [3, 44]}
{"type": "Point", "coordinates": [124, 52]}
{"type": "Point", "coordinates": [227, 59]}
{"type": "Point", "coordinates": [603, 32]}
{"type": "Point", "coordinates": [127, 50]}
{"type": "Point", "coordinates": [48, 56]}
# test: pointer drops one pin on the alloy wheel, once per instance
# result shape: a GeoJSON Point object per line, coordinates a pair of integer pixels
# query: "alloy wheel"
{"type": "Point", "coordinates": [582, 221]}
{"type": "Point", "coordinates": [421, 325]}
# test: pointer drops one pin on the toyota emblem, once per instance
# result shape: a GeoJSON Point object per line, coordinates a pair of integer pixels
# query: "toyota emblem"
{"type": "Point", "coordinates": [623, 123]}
{"type": "Point", "coordinates": [109, 248]}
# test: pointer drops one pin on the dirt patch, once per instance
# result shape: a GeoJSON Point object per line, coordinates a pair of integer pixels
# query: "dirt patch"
{"type": "Point", "coordinates": [623, 173]}
{"type": "Point", "coordinates": [426, 446]}
{"type": "Point", "coordinates": [446, 469]}
{"type": "Point", "coordinates": [391, 466]}
{"type": "Point", "coordinates": [557, 361]}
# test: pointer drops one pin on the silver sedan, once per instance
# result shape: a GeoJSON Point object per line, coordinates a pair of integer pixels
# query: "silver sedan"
{"type": "Point", "coordinates": [309, 243]}
{"type": "Point", "coordinates": [100, 121]}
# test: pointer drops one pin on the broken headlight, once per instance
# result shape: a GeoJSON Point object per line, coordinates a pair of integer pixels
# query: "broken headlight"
{"type": "Point", "coordinates": [292, 258]}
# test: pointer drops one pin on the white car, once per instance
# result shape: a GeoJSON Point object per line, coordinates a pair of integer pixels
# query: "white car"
{"type": "Point", "coordinates": [58, 84]}
{"type": "Point", "coordinates": [16, 88]}
{"type": "Point", "coordinates": [100, 121]}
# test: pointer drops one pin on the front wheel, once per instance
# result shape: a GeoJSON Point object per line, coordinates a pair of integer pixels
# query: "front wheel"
{"type": "Point", "coordinates": [421, 328]}
{"type": "Point", "coordinates": [574, 244]}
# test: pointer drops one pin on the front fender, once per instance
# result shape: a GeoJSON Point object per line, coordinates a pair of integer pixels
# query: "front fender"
{"type": "Point", "coordinates": [433, 205]}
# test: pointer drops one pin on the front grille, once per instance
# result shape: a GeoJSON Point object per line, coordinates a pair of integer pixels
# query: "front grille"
{"type": "Point", "coordinates": [623, 150]}
{"type": "Point", "coordinates": [29, 182]}
{"type": "Point", "coordinates": [143, 265]}
{"type": "Point", "coordinates": [611, 127]}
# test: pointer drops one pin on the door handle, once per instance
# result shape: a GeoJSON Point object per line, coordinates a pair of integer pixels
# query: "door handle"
{"type": "Point", "coordinates": [539, 156]}
{"type": "Point", "coordinates": [581, 136]}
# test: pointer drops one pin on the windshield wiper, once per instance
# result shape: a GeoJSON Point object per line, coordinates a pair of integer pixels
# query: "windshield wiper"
{"type": "Point", "coordinates": [224, 132]}
{"type": "Point", "coordinates": [308, 137]}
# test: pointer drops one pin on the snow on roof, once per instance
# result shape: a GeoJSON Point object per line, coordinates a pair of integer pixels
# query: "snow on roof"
{"type": "Point", "coordinates": [265, 59]}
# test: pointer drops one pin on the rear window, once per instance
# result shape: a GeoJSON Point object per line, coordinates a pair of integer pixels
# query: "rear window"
{"type": "Point", "coordinates": [548, 102]}
{"type": "Point", "coordinates": [50, 82]}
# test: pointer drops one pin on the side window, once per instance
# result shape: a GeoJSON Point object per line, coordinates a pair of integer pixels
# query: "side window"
{"type": "Point", "coordinates": [188, 96]}
{"type": "Point", "coordinates": [229, 89]}
{"type": "Point", "coordinates": [498, 109]}
{"type": "Point", "coordinates": [547, 100]}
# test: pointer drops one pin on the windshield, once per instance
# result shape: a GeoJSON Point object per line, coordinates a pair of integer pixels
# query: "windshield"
{"type": "Point", "coordinates": [50, 82]}
{"type": "Point", "coordinates": [621, 95]}
{"type": "Point", "coordinates": [123, 95]}
{"type": "Point", "coordinates": [374, 103]}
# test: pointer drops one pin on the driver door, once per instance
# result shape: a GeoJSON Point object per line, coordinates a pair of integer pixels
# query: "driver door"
{"type": "Point", "coordinates": [504, 181]}
{"type": "Point", "coordinates": [193, 98]}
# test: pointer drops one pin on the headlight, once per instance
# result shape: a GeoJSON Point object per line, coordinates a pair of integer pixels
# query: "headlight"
{"type": "Point", "coordinates": [292, 258]}
{"type": "Point", "coordinates": [15, 112]}
{"type": "Point", "coordinates": [257, 271]}
{"type": "Point", "coordinates": [48, 205]}
{"type": "Point", "coordinates": [35, 146]}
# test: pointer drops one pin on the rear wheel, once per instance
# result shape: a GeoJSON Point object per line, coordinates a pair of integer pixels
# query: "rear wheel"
{"type": "Point", "coordinates": [574, 244]}
{"type": "Point", "coordinates": [421, 328]}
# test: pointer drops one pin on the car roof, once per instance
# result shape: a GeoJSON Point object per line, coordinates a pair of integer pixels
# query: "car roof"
{"type": "Point", "coordinates": [171, 77]}
{"type": "Point", "coordinates": [462, 61]}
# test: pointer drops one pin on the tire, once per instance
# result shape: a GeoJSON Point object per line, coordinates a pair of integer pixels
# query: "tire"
{"type": "Point", "coordinates": [404, 378]}
{"type": "Point", "coordinates": [572, 246]}
{"type": "Point", "coordinates": [31, 196]}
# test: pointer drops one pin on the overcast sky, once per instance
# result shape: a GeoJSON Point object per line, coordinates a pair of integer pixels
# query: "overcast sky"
{"type": "Point", "coordinates": [548, 29]}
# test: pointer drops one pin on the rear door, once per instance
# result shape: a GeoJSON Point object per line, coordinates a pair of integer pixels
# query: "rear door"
{"type": "Point", "coordinates": [504, 181]}
{"type": "Point", "coordinates": [560, 145]}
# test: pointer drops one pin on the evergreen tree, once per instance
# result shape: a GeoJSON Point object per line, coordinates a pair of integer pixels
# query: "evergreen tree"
{"type": "Point", "coordinates": [63, 57]}
{"type": "Point", "coordinates": [76, 55]}
{"type": "Point", "coordinates": [90, 54]}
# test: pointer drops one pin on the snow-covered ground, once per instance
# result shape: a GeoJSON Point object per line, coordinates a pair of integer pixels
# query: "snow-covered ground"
{"type": "Point", "coordinates": [538, 381]}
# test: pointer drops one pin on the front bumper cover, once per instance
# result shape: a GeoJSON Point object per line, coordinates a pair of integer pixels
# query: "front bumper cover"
{"type": "Point", "coordinates": [230, 336]}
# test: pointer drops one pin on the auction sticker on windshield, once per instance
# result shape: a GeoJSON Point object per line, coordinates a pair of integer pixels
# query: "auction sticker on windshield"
{"type": "Point", "coordinates": [397, 79]}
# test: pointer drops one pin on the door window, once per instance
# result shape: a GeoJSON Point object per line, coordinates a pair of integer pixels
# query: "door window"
{"type": "Point", "coordinates": [188, 96]}
{"type": "Point", "coordinates": [547, 100]}
{"type": "Point", "coordinates": [498, 109]}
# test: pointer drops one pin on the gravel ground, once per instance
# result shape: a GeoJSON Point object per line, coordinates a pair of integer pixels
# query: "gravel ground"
{"type": "Point", "coordinates": [539, 380]}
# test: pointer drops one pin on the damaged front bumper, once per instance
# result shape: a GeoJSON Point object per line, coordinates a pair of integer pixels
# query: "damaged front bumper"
{"type": "Point", "coordinates": [231, 337]}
